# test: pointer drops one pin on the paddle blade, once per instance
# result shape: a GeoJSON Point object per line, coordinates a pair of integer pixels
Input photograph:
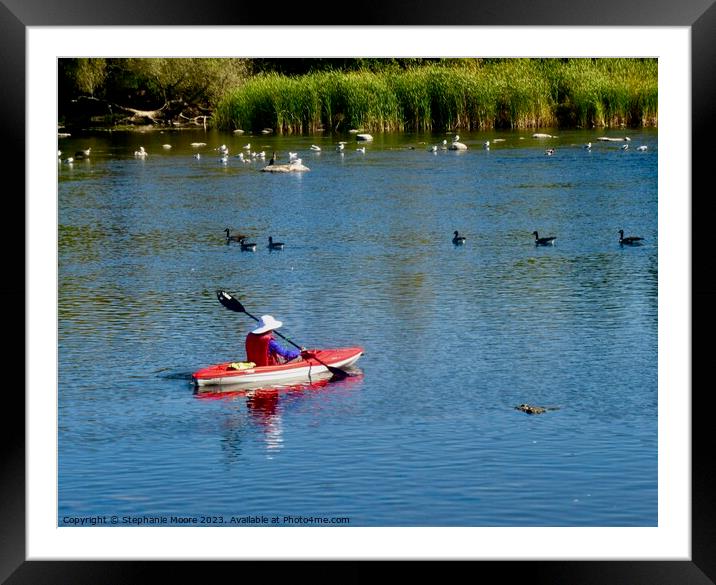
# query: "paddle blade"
{"type": "Point", "coordinates": [229, 302]}
{"type": "Point", "coordinates": [338, 374]}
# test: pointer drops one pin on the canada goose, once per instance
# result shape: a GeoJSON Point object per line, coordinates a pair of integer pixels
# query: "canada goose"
{"type": "Point", "coordinates": [629, 240]}
{"type": "Point", "coordinates": [247, 246]}
{"type": "Point", "coordinates": [457, 239]}
{"type": "Point", "coordinates": [548, 241]}
{"type": "Point", "coordinates": [238, 238]}
{"type": "Point", "coordinates": [274, 245]}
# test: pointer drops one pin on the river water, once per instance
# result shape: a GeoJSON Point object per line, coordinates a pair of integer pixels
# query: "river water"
{"type": "Point", "coordinates": [426, 433]}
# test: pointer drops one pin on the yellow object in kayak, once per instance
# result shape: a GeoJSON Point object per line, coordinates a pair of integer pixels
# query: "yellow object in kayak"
{"type": "Point", "coordinates": [241, 366]}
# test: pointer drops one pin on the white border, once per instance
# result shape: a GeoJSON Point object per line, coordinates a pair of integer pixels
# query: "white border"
{"type": "Point", "coordinates": [670, 541]}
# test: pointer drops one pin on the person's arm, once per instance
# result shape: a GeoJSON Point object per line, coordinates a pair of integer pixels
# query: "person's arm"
{"type": "Point", "coordinates": [287, 354]}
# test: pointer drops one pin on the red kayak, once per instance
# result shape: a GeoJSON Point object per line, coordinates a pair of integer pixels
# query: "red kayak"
{"type": "Point", "coordinates": [304, 369]}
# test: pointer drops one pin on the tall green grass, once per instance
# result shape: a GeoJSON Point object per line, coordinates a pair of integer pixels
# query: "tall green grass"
{"type": "Point", "coordinates": [507, 93]}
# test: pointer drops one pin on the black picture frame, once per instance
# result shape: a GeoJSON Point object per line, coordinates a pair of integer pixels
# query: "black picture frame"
{"type": "Point", "coordinates": [699, 15]}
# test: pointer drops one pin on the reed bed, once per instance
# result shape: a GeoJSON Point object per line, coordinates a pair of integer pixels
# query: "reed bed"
{"type": "Point", "coordinates": [505, 93]}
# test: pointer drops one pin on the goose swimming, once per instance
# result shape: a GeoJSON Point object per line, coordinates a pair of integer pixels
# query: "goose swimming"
{"type": "Point", "coordinates": [236, 238]}
{"type": "Point", "coordinates": [457, 239]}
{"type": "Point", "coordinates": [629, 240]}
{"type": "Point", "coordinates": [548, 241]}
{"type": "Point", "coordinates": [274, 245]}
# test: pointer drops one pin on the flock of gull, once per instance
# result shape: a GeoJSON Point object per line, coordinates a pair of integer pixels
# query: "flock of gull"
{"type": "Point", "coordinates": [248, 155]}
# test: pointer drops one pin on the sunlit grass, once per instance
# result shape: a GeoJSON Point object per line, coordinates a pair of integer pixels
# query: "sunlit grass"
{"type": "Point", "coordinates": [500, 93]}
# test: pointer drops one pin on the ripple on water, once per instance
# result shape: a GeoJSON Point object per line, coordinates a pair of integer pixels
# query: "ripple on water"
{"type": "Point", "coordinates": [454, 338]}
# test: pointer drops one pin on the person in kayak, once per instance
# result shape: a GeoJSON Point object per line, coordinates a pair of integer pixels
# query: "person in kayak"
{"type": "Point", "coordinates": [263, 349]}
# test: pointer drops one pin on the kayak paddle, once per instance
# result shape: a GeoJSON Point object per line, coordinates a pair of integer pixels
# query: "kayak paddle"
{"type": "Point", "coordinates": [234, 305]}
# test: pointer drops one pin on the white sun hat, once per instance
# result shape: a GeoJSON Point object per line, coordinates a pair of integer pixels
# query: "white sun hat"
{"type": "Point", "coordinates": [267, 323]}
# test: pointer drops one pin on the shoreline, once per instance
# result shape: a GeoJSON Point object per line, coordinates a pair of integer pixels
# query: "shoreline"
{"type": "Point", "coordinates": [69, 131]}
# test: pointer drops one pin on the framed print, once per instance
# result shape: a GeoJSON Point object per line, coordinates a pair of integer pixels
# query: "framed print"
{"type": "Point", "coordinates": [565, 443]}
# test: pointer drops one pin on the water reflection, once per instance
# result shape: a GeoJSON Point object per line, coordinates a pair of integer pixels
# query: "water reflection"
{"type": "Point", "coordinates": [266, 407]}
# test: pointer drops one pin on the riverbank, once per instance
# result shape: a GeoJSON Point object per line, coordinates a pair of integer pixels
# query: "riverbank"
{"type": "Point", "coordinates": [462, 94]}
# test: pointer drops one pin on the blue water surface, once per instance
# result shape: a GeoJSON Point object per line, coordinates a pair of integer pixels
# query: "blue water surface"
{"type": "Point", "coordinates": [426, 433]}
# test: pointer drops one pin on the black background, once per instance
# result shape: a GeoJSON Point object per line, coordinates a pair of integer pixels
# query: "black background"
{"type": "Point", "coordinates": [700, 15]}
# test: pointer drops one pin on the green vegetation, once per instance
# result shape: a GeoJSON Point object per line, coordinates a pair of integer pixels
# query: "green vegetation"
{"type": "Point", "coordinates": [308, 95]}
{"type": "Point", "coordinates": [140, 91]}
{"type": "Point", "coordinates": [507, 93]}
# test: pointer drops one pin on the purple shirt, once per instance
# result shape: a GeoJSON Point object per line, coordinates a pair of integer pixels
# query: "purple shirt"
{"type": "Point", "coordinates": [287, 354]}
